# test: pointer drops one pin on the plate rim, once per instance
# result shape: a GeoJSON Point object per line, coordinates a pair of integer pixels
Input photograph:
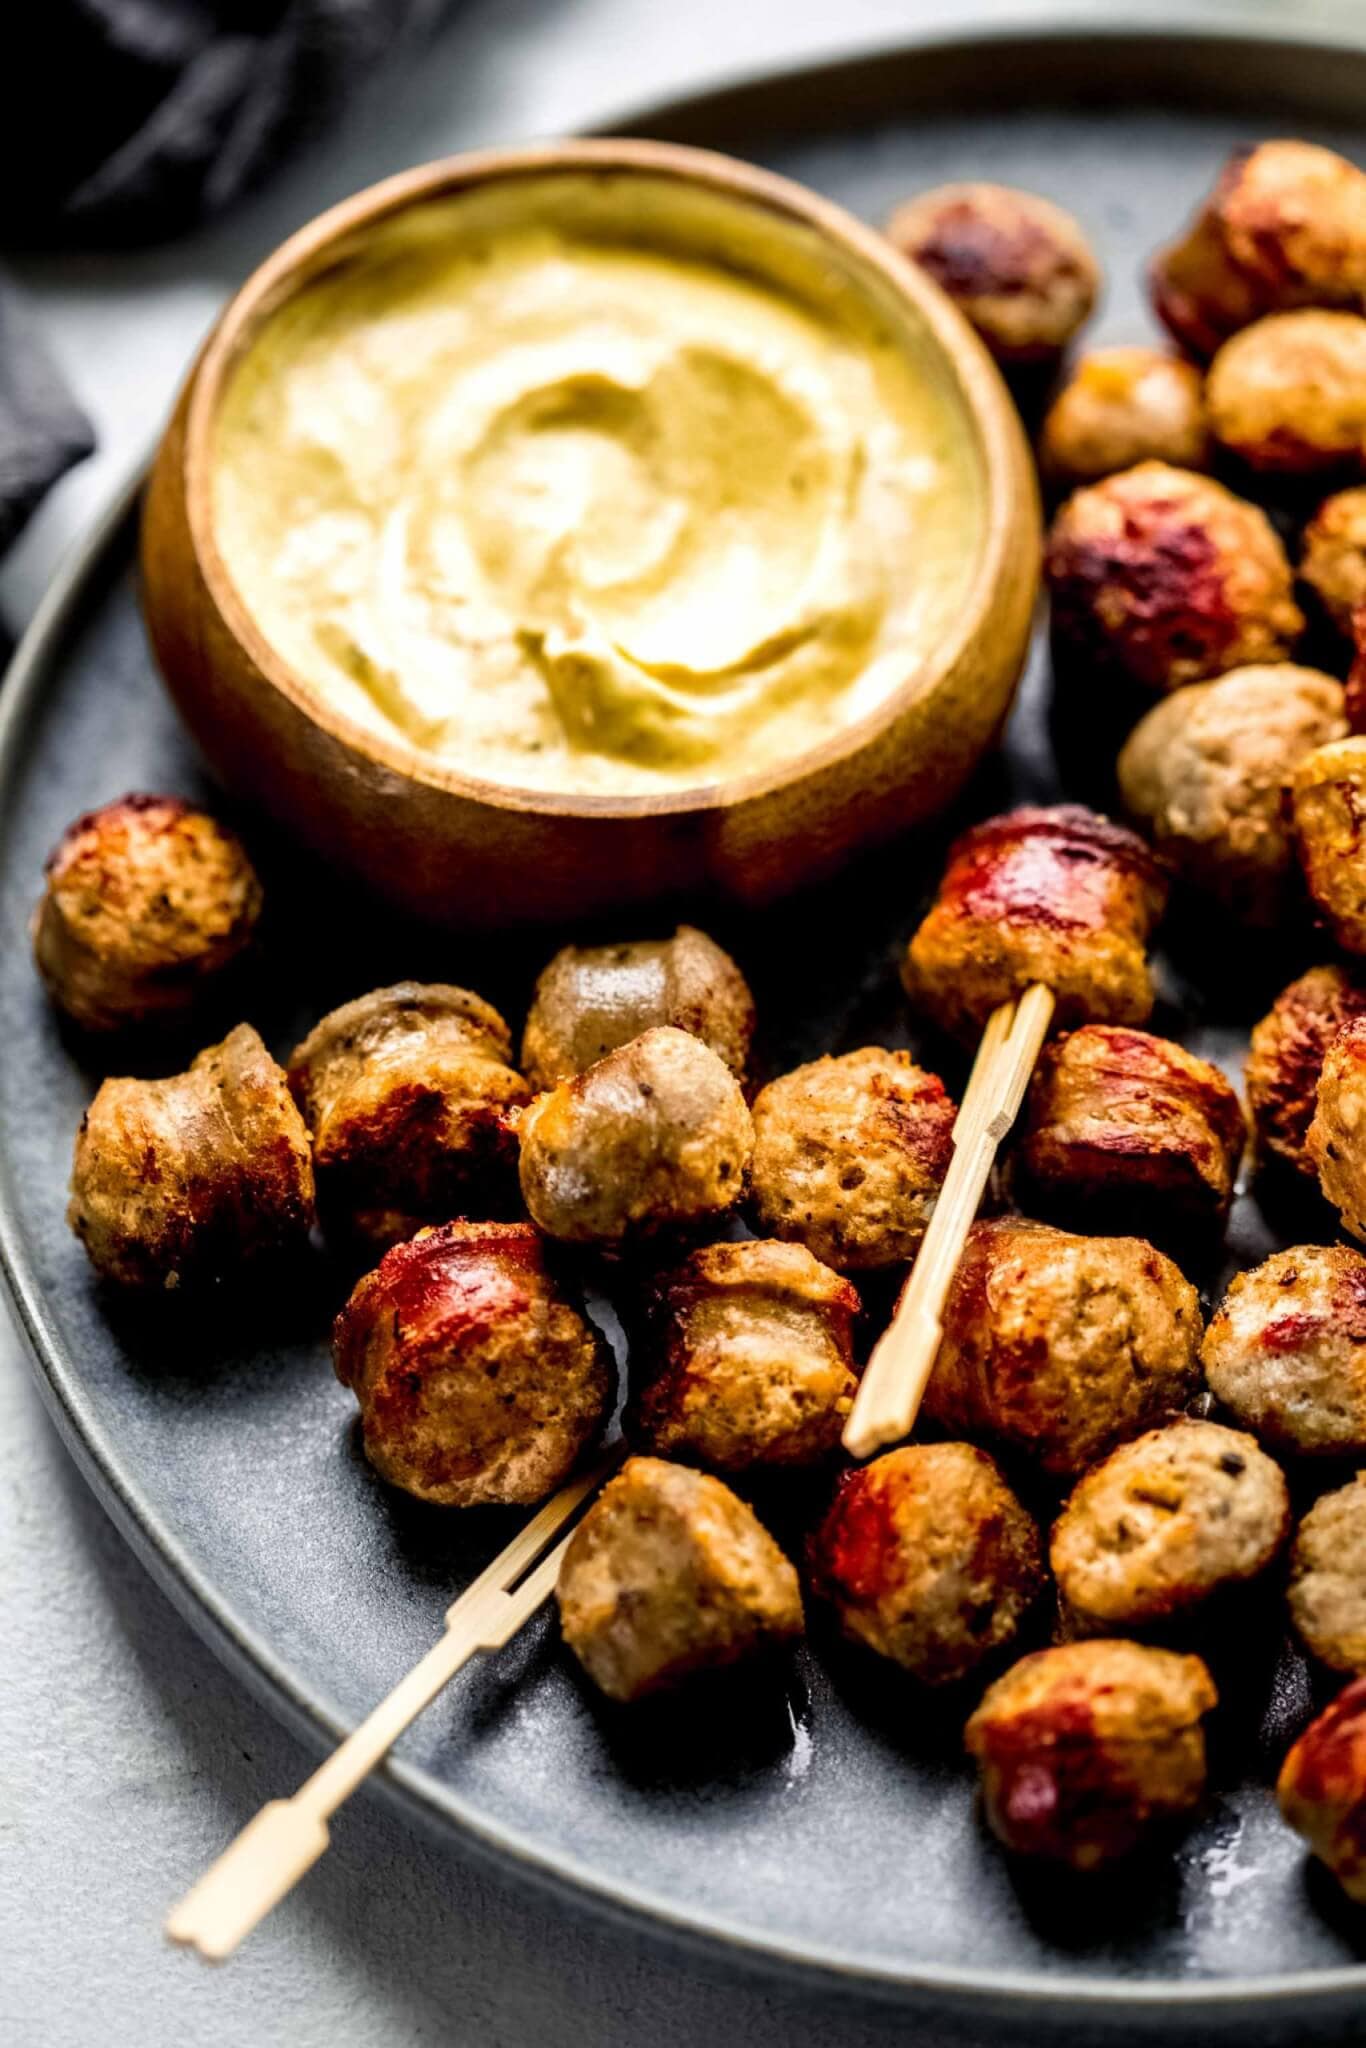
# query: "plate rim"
{"type": "Point", "coordinates": [241, 1647]}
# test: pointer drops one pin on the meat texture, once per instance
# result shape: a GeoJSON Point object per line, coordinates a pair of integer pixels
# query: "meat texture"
{"type": "Point", "coordinates": [591, 1000]}
{"type": "Point", "coordinates": [1286, 1055]}
{"type": "Point", "coordinates": [1285, 1352]}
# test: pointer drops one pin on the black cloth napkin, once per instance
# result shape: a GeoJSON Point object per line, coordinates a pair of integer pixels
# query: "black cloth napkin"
{"type": "Point", "coordinates": [129, 121]}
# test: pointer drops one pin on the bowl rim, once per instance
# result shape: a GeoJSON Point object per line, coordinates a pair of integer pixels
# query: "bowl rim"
{"type": "Point", "coordinates": [982, 394]}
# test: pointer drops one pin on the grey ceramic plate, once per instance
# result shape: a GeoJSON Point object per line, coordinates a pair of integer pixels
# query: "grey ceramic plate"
{"type": "Point", "coordinates": [828, 1822]}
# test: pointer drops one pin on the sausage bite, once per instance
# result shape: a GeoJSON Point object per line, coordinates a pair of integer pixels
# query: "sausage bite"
{"type": "Point", "coordinates": [1166, 1521]}
{"type": "Point", "coordinates": [1018, 268]}
{"type": "Point", "coordinates": [849, 1155]}
{"type": "Point", "coordinates": [1285, 1351]}
{"type": "Point", "coordinates": [1286, 1056]}
{"type": "Point", "coordinates": [477, 1381]}
{"type": "Point", "coordinates": [1060, 1346]}
{"type": "Point", "coordinates": [670, 1573]}
{"type": "Point", "coordinates": [1327, 801]}
{"type": "Point", "coordinates": [1054, 894]}
{"type": "Point", "coordinates": [1120, 406]}
{"type": "Point", "coordinates": [148, 901]}
{"type": "Point", "coordinates": [1159, 577]}
{"type": "Point", "coordinates": [1322, 1788]}
{"type": "Point", "coordinates": [1333, 556]}
{"type": "Point", "coordinates": [1288, 394]}
{"type": "Point", "coordinates": [409, 1098]}
{"type": "Point", "coordinates": [1337, 1137]}
{"type": "Point", "coordinates": [1284, 226]}
{"type": "Point", "coordinates": [747, 1359]}
{"type": "Point", "coordinates": [178, 1183]}
{"type": "Point", "coordinates": [1130, 1128]}
{"type": "Point", "coordinates": [1206, 771]}
{"type": "Point", "coordinates": [592, 999]}
{"type": "Point", "coordinates": [654, 1138]}
{"type": "Point", "coordinates": [929, 1559]}
{"type": "Point", "coordinates": [1085, 1749]}
{"type": "Point", "coordinates": [1328, 1578]}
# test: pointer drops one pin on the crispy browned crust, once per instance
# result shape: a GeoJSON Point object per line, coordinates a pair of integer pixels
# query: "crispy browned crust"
{"type": "Point", "coordinates": [1120, 406]}
{"type": "Point", "coordinates": [1059, 1346]}
{"type": "Point", "coordinates": [148, 901]}
{"type": "Point", "coordinates": [1285, 1351]}
{"type": "Point", "coordinates": [1086, 1748]}
{"type": "Point", "coordinates": [668, 1574]}
{"type": "Point", "coordinates": [1160, 577]}
{"type": "Point", "coordinates": [746, 1359]}
{"type": "Point", "coordinates": [1164, 1523]}
{"type": "Point", "coordinates": [1322, 1788]}
{"type": "Point", "coordinates": [178, 1183]}
{"type": "Point", "coordinates": [477, 1381]}
{"type": "Point", "coordinates": [592, 999]}
{"type": "Point", "coordinates": [1286, 1054]}
{"type": "Point", "coordinates": [1327, 1588]}
{"type": "Point", "coordinates": [1288, 394]}
{"type": "Point", "coordinates": [1132, 1125]}
{"type": "Point", "coordinates": [1018, 267]}
{"type": "Point", "coordinates": [1327, 808]}
{"type": "Point", "coordinates": [654, 1139]}
{"type": "Point", "coordinates": [928, 1559]}
{"type": "Point", "coordinates": [1056, 894]}
{"type": "Point", "coordinates": [1334, 1143]}
{"type": "Point", "coordinates": [849, 1155]}
{"type": "Point", "coordinates": [1333, 556]}
{"type": "Point", "coordinates": [1285, 226]}
{"type": "Point", "coordinates": [411, 1101]}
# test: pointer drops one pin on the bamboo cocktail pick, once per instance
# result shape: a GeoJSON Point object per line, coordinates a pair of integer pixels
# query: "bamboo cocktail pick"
{"type": "Point", "coordinates": [894, 1383]}
{"type": "Point", "coordinates": [288, 1836]}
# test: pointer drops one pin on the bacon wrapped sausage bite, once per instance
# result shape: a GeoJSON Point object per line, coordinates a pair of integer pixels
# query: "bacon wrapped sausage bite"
{"type": "Point", "coordinates": [1286, 1056]}
{"type": "Point", "coordinates": [409, 1098]}
{"type": "Point", "coordinates": [592, 999]}
{"type": "Point", "coordinates": [1286, 1351]}
{"type": "Point", "coordinates": [1328, 1578]}
{"type": "Point", "coordinates": [1322, 1788]}
{"type": "Point", "coordinates": [1327, 803]}
{"type": "Point", "coordinates": [1055, 894]}
{"type": "Point", "coordinates": [929, 1559]}
{"type": "Point", "coordinates": [181, 1182]}
{"type": "Point", "coordinates": [1018, 268]}
{"type": "Point", "coordinates": [1166, 1521]}
{"type": "Point", "coordinates": [655, 1138]}
{"type": "Point", "coordinates": [746, 1359]}
{"type": "Point", "coordinates": [1086, 1749]}
{"type": "Point", "coordinates": [1125, 1127]}
{"type": "Point", "coordinates": [1288, 395]}
{"type": "Point", "coordinates": [1159, 577]}
{"type": "Point", "coordinates": [1120, 406]}
{"type": "Point", "coordinates": [1205, 774]}
{"type": "Point", "coordinates": [1285, 226]}
{"type": "Point", "coordinates": [148, 902]}
{"type": "Point", "coordinates": [478, 1382]}
{"type": "Point", "coordinates": [1059, 1346]}
{"type": "Point", "coordinates": [849, 1155]}
{"type": "Point", "coordinates": [670, 1573]}
{"type": "Point", "coordinates": [1337, 1136]}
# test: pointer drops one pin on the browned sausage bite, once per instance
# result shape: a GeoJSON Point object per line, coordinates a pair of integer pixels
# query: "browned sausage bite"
{"type": "Point", "coordinates": [180, 1182]}
{"type": "Point", "coordinates": [747, 1359]}
{"type": "Point", "coordinates": [409, 1096]}
{"type": "Point", "coordinates": [1337, 1137]}
{"type": "Point", "coordinates": [1061, 1346]}
{"type": "Point", "coordinates": [1333, 556]}
{"type": "Point", "coordinates": [928, 1558]}
{"type": "Point", "coordinates": [1322, 1788]}
{"type": "Point", "coordinates": [1288, 394]}
{"type": "Point", "coordinates": [1286, 1351]}
{"type": "Point", "coordinates": [1087, 1748]}
{"type": "Point", "coordinates": [148, 902]}
{"type": "Point", "coordinates": [1327, 803]}
{"type": "Point", "coordinates": [1286, 1055]}
{"type": "Point", "coordinates": [1120, 406]}
{"type": "Point", "coordinates": [1327, 1589]}
{"type": "Point", "coordinates": [477, 1381]}
{"type": "Point", "coordinates": [1055, 894]}
{"type": "Point", "coordinates": [592, 999]}
{"type": "Point", "coordinates": [670, 1573]}
{"type": "Point", "coordinates": [1128, 1127]}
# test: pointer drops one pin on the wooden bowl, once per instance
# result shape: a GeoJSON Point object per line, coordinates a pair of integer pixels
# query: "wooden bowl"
{"type": "Point", "coordinates": [464, 851]}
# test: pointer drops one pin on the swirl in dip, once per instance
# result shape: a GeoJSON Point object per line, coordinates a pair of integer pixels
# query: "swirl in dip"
{"type": "Point", "coordinates": [596, 484]}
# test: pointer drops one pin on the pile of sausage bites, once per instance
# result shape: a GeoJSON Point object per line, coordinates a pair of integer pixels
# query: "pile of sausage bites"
{"type": "Point", "coordinates": [1076, 1369]}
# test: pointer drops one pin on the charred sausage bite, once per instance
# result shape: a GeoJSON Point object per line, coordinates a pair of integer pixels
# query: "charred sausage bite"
{"type": "Point", "coordinates": [1322, 1788]}
{"type": "Point", "coordinates": [1286, 1056]}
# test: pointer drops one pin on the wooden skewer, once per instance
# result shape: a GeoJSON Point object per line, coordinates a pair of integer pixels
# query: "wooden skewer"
{"type": "Point", "coordinates": [894, 1383]}
{"type": "Point", "coordinates": [288, 1836]}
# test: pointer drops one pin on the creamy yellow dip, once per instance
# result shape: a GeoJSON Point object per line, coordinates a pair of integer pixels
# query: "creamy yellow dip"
{"type": "Point", "coordinates": [593, 510]}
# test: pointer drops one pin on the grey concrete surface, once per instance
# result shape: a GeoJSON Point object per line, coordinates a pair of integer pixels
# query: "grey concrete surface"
{"type": "Point", "coordinates": [127, 1756]}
